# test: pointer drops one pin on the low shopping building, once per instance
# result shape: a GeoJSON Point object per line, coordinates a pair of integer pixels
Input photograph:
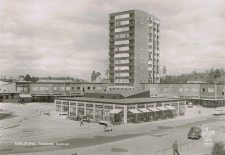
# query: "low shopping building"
{"type": "Point", "coordinates": [123, 110]}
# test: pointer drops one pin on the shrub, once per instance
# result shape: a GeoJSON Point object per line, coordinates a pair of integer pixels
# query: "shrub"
{"type": "Point", "coordinates": [218, 148]}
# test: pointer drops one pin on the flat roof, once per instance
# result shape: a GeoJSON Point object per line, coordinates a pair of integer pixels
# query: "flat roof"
{"type": "Point", "coordinates": [125, 93]}
{"type": "Point", "coordinates": [121, 101]}
{"type": "Point", "coordinates": [183, 83]}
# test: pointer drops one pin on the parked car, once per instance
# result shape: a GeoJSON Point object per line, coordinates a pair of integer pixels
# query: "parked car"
{"type": "Point", "coordinates": [195, 132]}
{"type": "Point", "coordinates": [218, 112]}
{"type": "Point", "coordinates": [190, 105]}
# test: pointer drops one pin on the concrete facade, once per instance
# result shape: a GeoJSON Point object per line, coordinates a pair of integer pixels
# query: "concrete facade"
{"type": "Point", "coordinates": [133, 49]}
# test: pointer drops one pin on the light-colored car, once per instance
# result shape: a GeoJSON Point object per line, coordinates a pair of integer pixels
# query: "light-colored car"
{"type": "Point", "coordinates": [190, 105]}
{"type": "Point", "coordinates": [218, 112]}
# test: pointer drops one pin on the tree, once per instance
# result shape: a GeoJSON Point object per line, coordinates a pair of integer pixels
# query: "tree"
{"type": "Point", "coordinates": [107, 73]}
{"type": "Point", "coordinates": [218, 148]}
{"type": "Point", "coordinates": [27, 78]}
{"type": "Point", "coordinates": [93, 76]}
{"type": "Point", "coordinates": [164, 71]}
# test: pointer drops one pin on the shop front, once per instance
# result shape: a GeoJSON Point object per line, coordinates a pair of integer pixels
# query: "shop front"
{"type": "Point", "coordinates": [172, 111]}
{"type": "Point", "coordinates": [163, 112]}
{"type": "Point", "coordinates": [138, 115]}
{"type": "Point", "coordinates": [146, 114]}
{"type": "Point", "coordinates": [89, 113]}
{"type": "Point", "coordinates": [155, 113]}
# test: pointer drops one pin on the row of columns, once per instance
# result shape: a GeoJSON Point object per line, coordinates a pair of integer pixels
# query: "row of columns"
{"type": "Point", "coordinates": [104, 110]}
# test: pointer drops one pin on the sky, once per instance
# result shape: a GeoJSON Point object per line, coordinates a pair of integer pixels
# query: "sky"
{"type": "Point", "coordinates": [71, 37]}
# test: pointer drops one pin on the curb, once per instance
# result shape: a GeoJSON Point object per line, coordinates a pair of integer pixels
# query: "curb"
{"type": "Point", "coordinates": [15, 125]}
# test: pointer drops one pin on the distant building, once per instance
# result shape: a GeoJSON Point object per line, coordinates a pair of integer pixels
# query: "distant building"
{"type": "Point", "coordinates": [133, 50]}
{"type": "Point", "coordinates": [121, 107]}
{"type": "Point", "coordinates": [206, 94]}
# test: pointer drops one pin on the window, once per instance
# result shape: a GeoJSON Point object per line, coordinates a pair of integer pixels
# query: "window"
{"type": "Point", "coordinates": [180, 89]}
{"type": "Point", "coordinates": [122, 23]}
{"type": "Point", "coordinates": [122, 42]}
{"type": "Point", "coordinates": [211, 90]}
{"type": "Point", "coordinates": [89, 88]}
{"type": "Point", "coordinates": [42, 88]}
{"type": "Point", "coordinates": [47, 88]}
{"type": "Point", "coordinates": [35, 88]}
{"type": "Point", "coordinates": [122, 74]}
{"type": "Point", "coordinates": [194, 89]}
{"type": "Point", "coordinates": [72, 88]}
{"type": "Point", "coordinates": [122, 68]}
{"type": "Point", "coordinates": [121, 81]}
{"type": "Point", "coordinates": [67, 88]}
{"type": "Point", "coordinates": [202, 90]}
{"type": "Point", "coordinates": [122, 16]}
{"type": "Point", "coordinates": [122, 29]}
{"type": "Point", "coordinates": [166, 89]}
{"type": "Point", "coordinates": [93, 88]}
{"type": "Point", "coordinates": [173, 89]}
{"type": "Point", "coordinates": [122, 49]}
{"type": "Point", "coordinates": [78, 88]}
{"type": "Point", "coordinates": [125, 35]}
{"type": "Point", "coordinates": [121, 61]}
{"type": "Point", "coordinates": [121, 55]}
{"type": "Point", "coordinates": [187, 89]}
{"type": "Point", "coordinates": [55, 88]}
{"type": "Point", "coordinates": [19, 89]}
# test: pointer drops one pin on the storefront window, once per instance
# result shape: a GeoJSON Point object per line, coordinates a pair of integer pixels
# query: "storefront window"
{"type": "Point", "coordinates": [66, 103]}
{"type": "Point", "coordinates": [58, 102]}
{"type": "Point", "coordinates": [65, 108]}
{"type": "Point", "coordinates": [181, 111]}
{"type": "Point", "coordinates": [72, 103]}
{"type": "Point", "coordinates": [58, 108]}
{"type": "Point", "coordinates": [99, 114]}
{"type": "Point", "coordinates": [89, 113]}
{"type": "Point", "coordinates": [72, 111]}
{"type": "Point", "coordinates": [80, 111]}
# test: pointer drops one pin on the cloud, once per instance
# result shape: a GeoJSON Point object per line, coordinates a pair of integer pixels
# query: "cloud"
{"type": "Point", "coordinates": [70, 38]}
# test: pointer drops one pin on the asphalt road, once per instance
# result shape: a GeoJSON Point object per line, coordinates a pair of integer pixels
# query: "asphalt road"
{"type": "Point", "coordinates": [130, 139]}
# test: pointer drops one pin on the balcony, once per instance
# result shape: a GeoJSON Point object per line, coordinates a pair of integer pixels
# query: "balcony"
{"type": "Point", "coordinates": [111, 46]}
{"type": "Point", "coordinates": [124, 71]}
{"type": "Point", "coordinates": [111, 59]}
{"type": "Point", "coordinates": [123, 19]}
{"type": "Point", "coordinates": [111, 71]}
{"type": "Point", "coordinates": [111, 65]}
{"type": "Point", "coordinates": [111, 33]}
{"type": "Point", "coordinates": [111, 27]}
{"type": "Point", "coordinates": [127, 51]}
{"type": "Point", "coordinates": [130, 31]}
{"type": "Point", "coordinates": [111, 40]}
{"type": "Point", "coordinates": [111, 52]}
{"type": "Point", "coordinates": [128, 38]}
{"type": "Point", "coordinates": [126, 25]}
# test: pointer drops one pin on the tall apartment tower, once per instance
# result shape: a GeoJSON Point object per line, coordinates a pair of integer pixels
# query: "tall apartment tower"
{"type": "Point", "coordinates": [133, 49]}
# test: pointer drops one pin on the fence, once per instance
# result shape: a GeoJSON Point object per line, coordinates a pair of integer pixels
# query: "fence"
{"type": "Point", "coordinates": [182, 147]}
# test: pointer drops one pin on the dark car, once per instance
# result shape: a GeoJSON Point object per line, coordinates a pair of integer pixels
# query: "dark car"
{"type": "Point", "coordinates": [195, 132]}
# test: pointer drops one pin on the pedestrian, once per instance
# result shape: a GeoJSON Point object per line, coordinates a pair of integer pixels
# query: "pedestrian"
{"type": "Point", "coordinates": [81, 122]}
{"type": "Point", "coordinates": [175, 148]}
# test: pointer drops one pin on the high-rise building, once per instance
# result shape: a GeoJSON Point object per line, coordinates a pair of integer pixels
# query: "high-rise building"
{"type": "Point", "coordinates": [133, 49]}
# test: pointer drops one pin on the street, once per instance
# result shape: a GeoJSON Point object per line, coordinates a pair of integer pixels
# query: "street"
{"type": "Point", "coordinates": [69, 137]}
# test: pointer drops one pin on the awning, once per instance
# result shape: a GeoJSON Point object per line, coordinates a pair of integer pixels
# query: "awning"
{"type": "Point", "coordinates": [170, 107]}
{"type": "Point", "coordinates": [162, 108]}
{"type": "Point", "coordinates": [115, 111]}
{"type": "Point", "coordinates": [144, 110]}
{"type": "Point", "coordinates": [25, 95]}
{"type": "Point", "coordinates": [153, 109]}
{"type": "Point", "coordinates": [135, 111]}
